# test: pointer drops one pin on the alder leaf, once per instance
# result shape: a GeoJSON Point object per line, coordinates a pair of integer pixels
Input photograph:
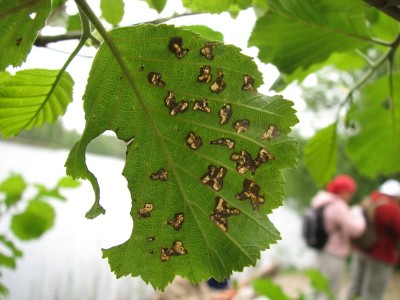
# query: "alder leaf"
{"type": "Point", "coordinates": [374, 149]}
{"type": "Point", "coordinates": [31, 98]}
{"type": "Point", "coordinates": [20, 21]}
{"type": "Point", "coordinates": [294, 35]}
{"type": "Point", "coordinates": [320, 154]}
{"type": "Point", "coordinates": [201, 189]}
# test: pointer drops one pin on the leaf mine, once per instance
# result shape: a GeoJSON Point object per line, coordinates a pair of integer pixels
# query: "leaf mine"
{"type": "Point", "coordinates": [193, 141]}
{"type": "Point", "coordinates": [230, 144]}
{"type": "Point", "coordinates": [221, 213]}
{"type": "Point", "coordinates": [248, 83]}
{"type": "Point", "coordinates": [251, 191]}
{"type": "Point", "coordinates": [175, 107]}
{"type": "Point", "coordinates": [159, 175]}
{"type": "Point", "coordinates": [177, 221]}
{"type": "Point", "coordinates": [175, 46]}
{"type": "Point", "coordinates": [206, 51]}
{"type": "Point", "coordinates": [244, 162]}
{"type": "Point", "coordinates": [214, 177]}
{"type": "Point", "coordinates": [145, 211]}
{"type": "Point", "coordinates": [205, 74]}
{"type": "Point", "coordinates": [176, 250]}
{"type": "Point", "coordinates": [201, 105]}
{"type": "Point", "coordinates": [218, 85]}
{"type": "Point", "coordinates": [241, 125]}
{"type": "Point", "coordinates": [271, 133]}
{"type": "Point", "coordinates": [155, 78]}
{"type": "Point", "coordinates": [225, 114]}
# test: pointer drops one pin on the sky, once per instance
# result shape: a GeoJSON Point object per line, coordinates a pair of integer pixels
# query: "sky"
{"type": "Point", "coordinates": [235, 31]}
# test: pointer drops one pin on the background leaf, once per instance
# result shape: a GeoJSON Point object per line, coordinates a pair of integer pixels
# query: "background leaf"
{"type": "Point", "coordinates": [265, 287]}
{"type": "Point", "coordinates": [137, 111]}
{"type": "Point", "coordinates": [31, 98]}
{"type": "Point", "coordinates": [20, 21]}
{"type": "Point", "coordinates": [297, 34]}
{"type": "Point", "coordinates": [158, 5]}
{"type": "Point", "coordinates": [374, 150]}
{"type": "Point", "coordinates": [320, 154]}
{"type": "Point", "coordinates": [206, 32]}
{"type": "Point", "coordinates": [13, 187]}
{"type": "Point", "coordinates": [112, 11]}
{"type": "Point", "coordinates": [34, 221]}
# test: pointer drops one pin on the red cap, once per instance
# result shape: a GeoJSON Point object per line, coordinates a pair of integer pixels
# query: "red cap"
{"type": "Point", "coordinates": [341, 183]}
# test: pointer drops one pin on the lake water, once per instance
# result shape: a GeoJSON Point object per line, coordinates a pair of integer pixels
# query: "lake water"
{"type": "Point", "coordinates": [66, 262]}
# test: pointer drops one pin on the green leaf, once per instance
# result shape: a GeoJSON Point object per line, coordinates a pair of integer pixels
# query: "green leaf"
{"type": "Point", "coordinates": [319, 282]}
{"type": "Point", "coordinates": [13, 187]}
{"type": "Point", "coordinates": [74, 23]}
{"type": "Point", "coordinates": [3, 290]}
{"type": "Point", "coordinates": [158, 5]}
{"type": "Point", "coordinates": [206, 32]}
{"type": "Point", "coordinates": [67, 182]}
{"type": "Point", "coordinates": [138, 106]}
{"type": "Point", "coordinates": [112, 11]}
{"type": "Point", "coordinates": [31, 98]}
{"type": "Point", "coordinates": [216, 6]}
{"type": "Point", "coordinates": [7, 261]}
{"type": "Point", "coordinates": [265, 287]}
{"type": "Point", "coordinates": [34, 221]}
{"type": "Point", "coordinates": [10, 245]}
{"type": "Point", "coordinates": [374, 149]}
{"type": "Point", "coordinates": [295, 34]}
{"type": "Point", "coordinates": [20, 21]}
{"type": "Point", "coordinates": [320, 154]}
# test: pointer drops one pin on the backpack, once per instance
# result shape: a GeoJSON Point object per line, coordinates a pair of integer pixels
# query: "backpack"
{"type": "Point", "coordinates": [313, 229]}
{"type": "Point", "coordinates": [369, 237]}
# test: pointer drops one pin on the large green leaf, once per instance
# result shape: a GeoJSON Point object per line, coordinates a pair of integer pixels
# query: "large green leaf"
{"type": "Point", "coordinates": [20, 21]}
{"type": "Point", "coordinates": [375, 148]}
{"type": "Point", "coordinates": [320, 154]}
{"type": "Point", "coordinates": [138, 105]}
{"type": "Point", "coordinates": [297, 34]}
{"type": "Point", "coordinates": [31, 98]}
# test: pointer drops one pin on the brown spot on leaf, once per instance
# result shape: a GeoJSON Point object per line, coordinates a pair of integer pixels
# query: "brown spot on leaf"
{"type": "Point", "coordinates": [251, 191]}
{"type": "Point", "coordinates": [214, 177]}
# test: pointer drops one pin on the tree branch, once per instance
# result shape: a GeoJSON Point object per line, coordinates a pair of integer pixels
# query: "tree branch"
{"type": "Point", "coordinates": [42, 41]}
{"type": "Point", "coordinates": [389, 7]}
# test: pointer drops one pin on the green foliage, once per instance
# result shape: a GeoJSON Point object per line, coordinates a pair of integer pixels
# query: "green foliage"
{"type": "Point", "coordinates": [29, 218]}
{"type": "Point", "coordinates": [37, 218]}
{"type": "Point", "coordinates": [12, 188]}
{"type": "Point", "coordinates": [265, 287]}
{"type": "Point", "coordinates": [157, 138]}
{"type": "Point", "coordinates": [304, 37]}
{"type": "Point", "coordinates": [375, 148]}
{"type": "Point", "coordinates": [32, 97]}
{"type": "Point", "coordinates": [297, 34]}
{"type": "Point", "coordinates": [112, 10]}
{"type": "Point", "coordinates": [320, 154]}
{"type": "Point", "coordinates": [20, 22]}
{"type": "Point", "coordinates": [144, 84]}
{"type": "Point", "coordinates": [319, 282]}
{"type": "Point", "coordinates": [206, 32]}
{"type": "Point", "coordinates": [158, 5]}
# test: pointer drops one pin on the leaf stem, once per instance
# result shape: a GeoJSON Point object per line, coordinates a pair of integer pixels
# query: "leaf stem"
{"type": "Point", "coordinates": [85, 8]}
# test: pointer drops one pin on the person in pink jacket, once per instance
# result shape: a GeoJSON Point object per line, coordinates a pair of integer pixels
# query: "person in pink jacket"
{"type": "Point", "coordinates": [342, 224]}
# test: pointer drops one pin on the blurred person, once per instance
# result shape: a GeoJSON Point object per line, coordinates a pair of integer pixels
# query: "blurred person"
{"type": "Point", "coordinates": [341, 224]}
{"type": "Point", "coordinates": [372, 269]}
